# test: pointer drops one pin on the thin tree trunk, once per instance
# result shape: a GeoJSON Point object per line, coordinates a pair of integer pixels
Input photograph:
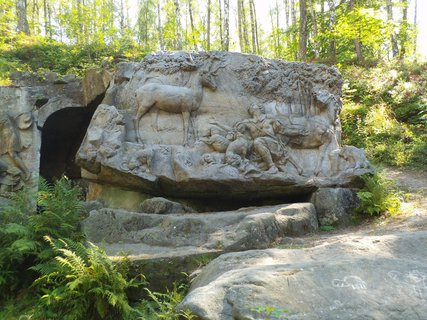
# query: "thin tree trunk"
{"type": "Point", "coordinates": [253, 28]}
{"type": "Point", "coordinates": [178, 25]}
{"type": "Point", "coordinates": [21, 12]}
{"type": "Point", "coordinates": [239, 25]}
{"type": "Point", "coordinates": [190, 13]}
{"type": "Point", "coordinates": [302, 30]}
{"type": "Point", "coordinates": [226, 45]}
{"type": "Point", "coordinates": [278, 42]}
{"type": "Point", "coordinates": [294, 23]}
{"type": "Point", "coordinates": [245, 27]}
{"type": "Point", "coordinates": [356, 41]}
{"type": "Point", "coordinates": [287, 20]}
{"type": "Point", "coordinates": [394, 47]}
{"type": "Point", "coordinates": [315, 30]}
{"type": "Point", "coordinates": [221, 34]}
{"type": "Point", "coordinates": [416, 29]}
{"type": "Point", "coordinates": [159, 27]}
{"type": "Point", "coordinates": [404, 29]}
{"type": "Point", "coordinates": [332, 45]}
{"type": "Point", "coordinates": [208, 42]}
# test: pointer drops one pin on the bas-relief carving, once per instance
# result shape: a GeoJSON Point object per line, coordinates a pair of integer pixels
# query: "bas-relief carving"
{"type": "Point", "coordinates": [14, 173]}
{"type": "Point", "coordinates": [223, 117]}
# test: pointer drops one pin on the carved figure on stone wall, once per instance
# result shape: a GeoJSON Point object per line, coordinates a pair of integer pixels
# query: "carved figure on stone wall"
{"type": "Point", "coordinates": [348, 158]}
{"type": "Point", "coordinates": [11, 146]}
{"type": "Point", "coordinates": [309, 133]}
{"type": "Point", "coordinates": [271, 151]}
{"type": "Point", "coordinates": [176, 99]}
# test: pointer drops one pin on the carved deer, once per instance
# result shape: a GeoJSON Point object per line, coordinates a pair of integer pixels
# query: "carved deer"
{"type": "Point", "coordinates": [175, 99]}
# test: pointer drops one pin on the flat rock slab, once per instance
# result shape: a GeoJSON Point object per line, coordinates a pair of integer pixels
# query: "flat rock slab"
{"type": "Point", "coordinates": [371, 277]}
{"type": "Point", "coordinates": [151, 236]}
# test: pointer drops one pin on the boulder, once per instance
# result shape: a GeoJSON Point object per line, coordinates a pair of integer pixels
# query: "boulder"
{"type": "Point", "coordinates": [159, 205]}
{"type": "Point", "coordinates": [334, 206]}
{"type": "Point", "coordinates": [357, 277]}
{"type": "Point", "coordinates": [244, 128]}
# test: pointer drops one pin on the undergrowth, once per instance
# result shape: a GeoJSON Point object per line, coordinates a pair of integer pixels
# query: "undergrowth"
{"type": "Point", "coordinates": [385, 112]}
{"type": "Point", "coordinates": [49, 271]}
{"type": "Point", "coordinates": [378, 196]}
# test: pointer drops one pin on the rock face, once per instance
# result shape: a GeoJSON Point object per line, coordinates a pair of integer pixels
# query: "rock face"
{"type": "Point", "coordinates": [374, 277]}
{"type": "Point", "coordinates": [150, 235]}
{"type": "Point", "coordinates": [220, 125]}
{"type": "Point", "coordinates": [24, 110]}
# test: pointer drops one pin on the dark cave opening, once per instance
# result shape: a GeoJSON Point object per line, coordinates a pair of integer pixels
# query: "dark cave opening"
{"type": "Point", "coordinates": [62, 134]}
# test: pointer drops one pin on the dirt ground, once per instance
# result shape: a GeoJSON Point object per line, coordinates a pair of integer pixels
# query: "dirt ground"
{"type": "Point", "coordinates": [412, 217]}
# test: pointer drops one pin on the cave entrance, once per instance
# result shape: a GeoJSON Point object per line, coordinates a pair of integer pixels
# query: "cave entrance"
{"type": "Point", "coordinates": [62, 134]}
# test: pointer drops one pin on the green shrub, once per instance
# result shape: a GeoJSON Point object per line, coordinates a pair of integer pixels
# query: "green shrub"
{"type": "Point", "coordinates": [22, 231]}
{"type": "Point", "coordinates": [378, 196]}
{"type": "Point", "coordinates": [83, 283]}
{"type": "Point", "coordinates": [164, 305]}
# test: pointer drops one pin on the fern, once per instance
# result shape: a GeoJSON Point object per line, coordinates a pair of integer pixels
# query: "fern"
{"type": "Point", "coordinates": [22, 230]}
{"type": "Point", "coordinates": [83, 283]}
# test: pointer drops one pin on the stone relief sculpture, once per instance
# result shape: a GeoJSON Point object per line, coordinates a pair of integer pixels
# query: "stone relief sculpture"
{"type": "Point", "coordinates": [13, 170]}
{"type": "Point", "coordinates": [176, 99]}
{"type": "Point", "coordinates": [259, 123]}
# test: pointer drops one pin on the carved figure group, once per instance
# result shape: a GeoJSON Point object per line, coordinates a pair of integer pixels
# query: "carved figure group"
{"type": "Point", "coordinates": [257, 136]}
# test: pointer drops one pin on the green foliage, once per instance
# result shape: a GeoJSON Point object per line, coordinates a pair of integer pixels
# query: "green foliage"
{"type": "Point", "coordinates": [269, 312]}
{"type": "Point", "coordinates": [40, 54]}
{"type": "Point", "coordinates": [22, 230]}
{"type": "Point", "coordinates": [83, 283]}
{"type": "Point", "coordinates": [385, 112]}
{"type": "Point", "coordinates": [326, 228]}
{"type": "Point", "coordinates": [164, 305]}
{"type": "Point", "coordinates": [378, 196]}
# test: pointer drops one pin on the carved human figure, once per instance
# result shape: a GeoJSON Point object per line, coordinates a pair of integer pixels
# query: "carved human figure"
{"type": "Point", "coordinates": [11, 144]}
{"type": "Point", "coordinates": [273, 152]}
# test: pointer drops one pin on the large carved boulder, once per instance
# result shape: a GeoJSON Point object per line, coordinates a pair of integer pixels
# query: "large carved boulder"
{"type": "Point", "coordinates": [220, 125]}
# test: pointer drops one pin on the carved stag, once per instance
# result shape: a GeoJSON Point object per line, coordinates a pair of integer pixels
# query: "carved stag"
{"type": "Point", "coordinates": [175, 99]}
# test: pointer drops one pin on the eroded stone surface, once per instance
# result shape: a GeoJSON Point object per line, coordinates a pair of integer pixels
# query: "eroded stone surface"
{"type": "Point", "coordinates": [221, 125]}
{"type": "Point", "coordinates": [371, 277]}
{"type": "Point", "coordinates": [148, 236]}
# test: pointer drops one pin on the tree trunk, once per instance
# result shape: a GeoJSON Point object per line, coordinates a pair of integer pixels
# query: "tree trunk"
{"type": "Point", "coordinates": [394, 47]}
{"type": "Point", "coordinates": [221, 34]}
{"type": "Point", "coordinates": [21, 12]}
{"type": "Point", "coordinates": [356, 41]}
{"type": "Point", "coordinates": [159, 27]}
{"type": "Point", "coordinates": [287, 20]}
{"type": "Point", "coordinates": [178, 25]}
{"type": "Point", "coordinates": [253, 28]}
{"type": "Point", "coordinates": [315, 31]}
{"type": "Point", "coordinates": [404, 29]}
{"type": "Point", "coordinates": [416, 28]}
{"type": "Point", "coordinates": [294, 23]}
{"type": "Point", "coordinates": [332, 45]}
{"type": "Point", "coordinates": [190, 13]}
{"type": "Point", "coordinates": [226, 25]}
{"type": "Point", "coordinates": [208, 40]}
{"type": "Point", "coordinates": [302, 49]}
{"type": "Point", "coordinates": [240, 26]}
{"type": "Point", "coordinates": [245, 26]}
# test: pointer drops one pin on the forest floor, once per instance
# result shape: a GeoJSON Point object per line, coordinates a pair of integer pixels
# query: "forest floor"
{"type": "Point", "coordinates": [412, 216]}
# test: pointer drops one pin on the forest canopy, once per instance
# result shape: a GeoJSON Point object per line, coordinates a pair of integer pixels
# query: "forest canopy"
{"type": "Point", "coordinates": [80, 32]}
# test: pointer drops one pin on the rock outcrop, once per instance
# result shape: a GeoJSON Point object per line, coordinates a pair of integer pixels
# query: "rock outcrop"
{"type": "Point", "coordinates": [370, 277]}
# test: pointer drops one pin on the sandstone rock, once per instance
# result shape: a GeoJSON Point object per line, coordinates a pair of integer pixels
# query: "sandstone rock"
{"type": "Point", "coordinates": [94, 83]}
{"type": "Point", "coordinates": [371, 277]}
{"type": "Point", "coordinates": [146, 236]}
{"type": "Point", "coordinates": [161, 205]}
{"type": "Point", "coordinates": [244, 127]}
{"type": "Point", "coordinates": [334, 206]}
